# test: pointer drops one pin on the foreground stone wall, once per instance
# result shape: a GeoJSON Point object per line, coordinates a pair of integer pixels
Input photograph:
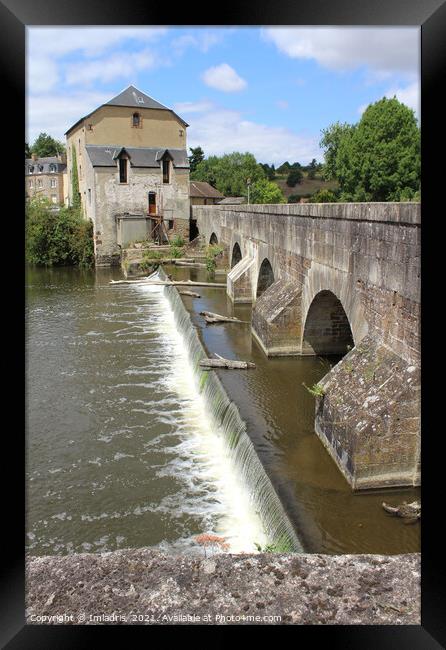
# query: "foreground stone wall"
{"type": "Point", "coordinates": [344, 273]}
{"type": "Point", "coordinates": [142, 586]}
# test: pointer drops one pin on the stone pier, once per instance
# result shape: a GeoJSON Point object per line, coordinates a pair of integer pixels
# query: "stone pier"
{"type": "Point", "coordinates": [338, 279]}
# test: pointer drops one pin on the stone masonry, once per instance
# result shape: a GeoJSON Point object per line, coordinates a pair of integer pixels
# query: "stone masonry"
{"type": "Point", "coordinates": [342, 274]}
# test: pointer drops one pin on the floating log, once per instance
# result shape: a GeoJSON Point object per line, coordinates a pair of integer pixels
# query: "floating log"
{"type": "Point", "coordinates": [407, 510]}
{"type": "Point", "coordinates": [226, 363]}
{"type": "Point", "coordinates": [189, 293]}
{"type": "Point", "coordinates": [218, 285]}
{"type": "Point", "coordinates": [190, 264]}
{"type": "Point", "coordinates": [210, 317]}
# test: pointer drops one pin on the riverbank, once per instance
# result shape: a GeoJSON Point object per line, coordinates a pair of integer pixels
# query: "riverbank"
{"type": "Point", "coordinates": [142, 586]}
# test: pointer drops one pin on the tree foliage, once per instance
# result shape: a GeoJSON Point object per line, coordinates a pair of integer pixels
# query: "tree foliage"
{"type": "Point", "coordinates": [57, 237]}
{"type": "Point", "coordinates": [196, 157]}
{"type": "Point", "coordinates": [27, 151]}
{"type": "Point", "coordinates": [229, 173]}
{"type": "Point", "coordinates": [45, 145]}
{"type": "Point", "coordinates": [294, 177]}
{"type": "Point", "coordinates": [324, 196]}
{"type": "Point", "coordinates": [265, 191]}
{"type": "Point", "coordinates": [75, 181]}
{"type": "Point", "coordinates": [379, 158]}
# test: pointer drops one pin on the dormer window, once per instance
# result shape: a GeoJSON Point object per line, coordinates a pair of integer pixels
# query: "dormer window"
{"type": "Point", "coordinates": [166, 171]}
{"type": "Point", "coordinates": [40, 168]}
{"type": "Point", "coordinates": [30, 168]}
{"type": "Point", "coordinates": [136, 120]}
{"type": "Point", "coordinates": [52, 167]}
{"type": "Point", "coordinates": [123, 170]}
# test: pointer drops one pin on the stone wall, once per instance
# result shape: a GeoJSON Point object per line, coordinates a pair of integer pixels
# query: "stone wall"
{"type": "Point", "coordinates": [142, 586]}
{"type": "Point", "coordinates": [344, 275]}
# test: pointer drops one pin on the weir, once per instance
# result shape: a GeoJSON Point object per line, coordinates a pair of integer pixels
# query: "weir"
{"type": "Point", "coordinates": [278, 528]}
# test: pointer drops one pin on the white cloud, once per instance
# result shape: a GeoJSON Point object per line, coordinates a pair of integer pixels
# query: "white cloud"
{"type": "Point", "coordinates": [383, 49]}
{"type": "Point", "coordinates": [119, 65]}
{"type": "Point", "coordinates": [192, 107]}
{"type": "Point", "coordinates": [55, 113]}
{"type": "Point", "coordinates": [223, 77]}
{"type": "Point", "coordinates": [410, 95]}
{"type": "Point", "coordinates": [203, 41]}
{"type": "Point", "coordinates": [219, 131]}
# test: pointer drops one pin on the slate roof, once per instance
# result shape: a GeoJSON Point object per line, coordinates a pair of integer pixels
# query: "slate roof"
{"type": "Point", "coordinates": [45, 163]}
{"type": "Point", "coordinates": [131, 97]}
{"type": "Point", "coordinates": [105, 156]}
{"type": "Point", "coordinates": [202, 189]}
{"type": "Point", "coordinates": [232, 200]}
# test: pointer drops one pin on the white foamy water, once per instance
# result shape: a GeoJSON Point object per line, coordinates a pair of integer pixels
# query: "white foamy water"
{"type": "Point", "coordinates": [203, 461]}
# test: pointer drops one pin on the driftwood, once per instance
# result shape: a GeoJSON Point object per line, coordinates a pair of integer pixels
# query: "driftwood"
{"type": "Point", "coordinates": [189, 293]}
{"type": "Point", "coordinates": [406, 510]}
{"type": "Point", "coordinates": [190, 264]}
{"type": "Point", "coordinates": [226, 363]}
{"type": "Point", "coordinates": [210, 317]}
{"type": "Point", "coordinates": [218, 285]}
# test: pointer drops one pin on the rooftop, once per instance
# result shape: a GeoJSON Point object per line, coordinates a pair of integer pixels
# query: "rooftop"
{"type": "Point", "coordinates": [202, 189]}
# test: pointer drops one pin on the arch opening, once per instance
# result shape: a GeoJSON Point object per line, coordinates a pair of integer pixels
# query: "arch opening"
{"type": "Point", "coordinates": [266, 277]}
{"type": "Point", "coordinates": [327, 329]}
{"type": "Point", "coordinates": [213, 240]}
{"type": "Point", "coordinates": [236, 255]}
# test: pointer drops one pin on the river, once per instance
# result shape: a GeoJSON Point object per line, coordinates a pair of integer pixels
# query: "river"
{"type": "Point", "coordinates": [126, 449]}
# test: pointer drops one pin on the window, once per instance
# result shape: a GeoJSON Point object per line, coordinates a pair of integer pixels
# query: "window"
{"type": "Point", "coordinates": [123, 170]}
{"type": "Point", "coordinates": [136, 120]}
{"type": "Point", "coordinates": [181, 132]}
{"type": "Point", "coordinates": [89, 196]}
{"type": "Point", "coordinates": [170, 224]}
{"type": "Point", "coordinates": [30, 168]}
{"type": "Point", "coordinates": [53, 182]}
{"type": "Point", "coordinates": [40, 169]}
{"type": "Point", "coordinates": [166, 170]}
{"type": "Point", "coordinates": [52, 167]}
{"type": "Point", "coordinates": [30, 183]}
{"type": "Point", "coordinates": [53, 198]}
{"type": "Point", "coordinates": [89, 127]}
{"type": "Point", "coordinates": [80, 171]}
{"type": "Point", "coordinates": [40, 182]}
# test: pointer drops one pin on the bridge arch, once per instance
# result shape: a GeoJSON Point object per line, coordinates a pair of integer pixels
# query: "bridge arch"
{"type": "Point", "coordinates": [327, 329]}
{"type": "Point", "coordinates": [213, 239]}
{"type": "Point", "coordinates": [236, 255]}
{"type": "Point", "coordinates": [265, 277]}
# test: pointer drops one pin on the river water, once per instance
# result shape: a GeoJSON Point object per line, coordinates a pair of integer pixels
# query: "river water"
{"type": "Point", "coordinates": [124, 448]}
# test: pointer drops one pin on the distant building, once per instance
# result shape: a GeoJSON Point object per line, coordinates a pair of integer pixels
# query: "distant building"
{"type": "Point", "coordinates": [233, 200]}
{"type": "Point", "coordinates": [46, 177]}
{"type": "Point", "coordinates": [133, 172]}
{"type": "Point", "coordinates": [202, 193]}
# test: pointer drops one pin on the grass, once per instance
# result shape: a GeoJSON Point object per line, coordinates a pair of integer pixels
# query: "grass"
{"type": "Point", "coordinates": [316, 390]}
{"type": "Point", "coordinates": [306, 188]}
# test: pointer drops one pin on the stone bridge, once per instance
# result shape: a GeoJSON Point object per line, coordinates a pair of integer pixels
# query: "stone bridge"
{"type": "Point", "coordinates": [338, 279]}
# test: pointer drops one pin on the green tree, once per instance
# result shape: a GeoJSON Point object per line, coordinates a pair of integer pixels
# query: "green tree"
{"type": "Point", "coordinates": [196, 157]}
{"type": "Point", "coordinates": [294, 177]}
{"type": "Point", "coordinates": [229, 173]}
{"type": "Point", "coordinates": [269, 171]}
{"type": "Point", "coordinates": [311, 169]}
{"type": "Point", "coordinates": [331, 138]}
{"type": "Point", "coordinates": [284, 168]}
{"type": "Point", "coordinates": [324, 196]}
{"type": "Point", "coordinates": [75, 181]}
{"type": "Point", "coordinates": [265, 191]}
{"type": "Point", "coordinates": [45, 145]}
{"type": "Point", "coordinates": [377, 159]}
{"type": "Point", "coordinates": [57, 237]}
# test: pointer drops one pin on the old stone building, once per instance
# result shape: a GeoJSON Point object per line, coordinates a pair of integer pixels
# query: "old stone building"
{"type": "Point", "coordinates": [133, 172]}
{"type": "Point", "coordinates": [46, 177]}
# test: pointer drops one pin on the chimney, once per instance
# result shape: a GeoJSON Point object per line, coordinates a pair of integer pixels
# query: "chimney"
{"type": "Point", "coordinates": [62, 157]}
{"type": "Point", "coordinates": [34, 156]}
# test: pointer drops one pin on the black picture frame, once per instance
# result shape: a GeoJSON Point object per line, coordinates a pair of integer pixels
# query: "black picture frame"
{"type": "Point", "coordinates": [430, 15]}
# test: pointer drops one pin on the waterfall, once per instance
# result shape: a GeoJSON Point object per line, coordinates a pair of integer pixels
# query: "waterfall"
{"type": "Point", "coordinates": [226, 416]}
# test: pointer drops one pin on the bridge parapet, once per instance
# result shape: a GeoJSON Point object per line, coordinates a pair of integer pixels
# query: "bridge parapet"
{"type": "Point", "coordinates": [340, 273]}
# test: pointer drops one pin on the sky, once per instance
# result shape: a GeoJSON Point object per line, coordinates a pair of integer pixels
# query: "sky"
{"type": "Point", "coordinates": [267, 90]}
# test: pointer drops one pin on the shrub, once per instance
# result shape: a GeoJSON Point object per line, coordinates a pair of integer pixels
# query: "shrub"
{"type": "Point", "coordinates": [57, 237]}
{"type": "Point", "coordinates": [176, 252]}
{"type": "Point", "coordinates": [177, 241]}
{"type": "Point", "coordinates": [212, 252]}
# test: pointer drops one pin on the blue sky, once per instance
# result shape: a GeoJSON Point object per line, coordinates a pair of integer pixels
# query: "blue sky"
{"type": "Point", "coordinates": [266, 90]}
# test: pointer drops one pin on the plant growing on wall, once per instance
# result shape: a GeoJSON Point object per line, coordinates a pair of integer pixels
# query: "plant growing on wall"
{"type": "Point", "coordinates": [212, 252]}
{"type": "Point", "coordinates": [75, 181]}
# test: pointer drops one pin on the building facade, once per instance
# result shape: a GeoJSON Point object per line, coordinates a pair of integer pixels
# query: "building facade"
{"type": "Point", "coordinates": [46, 177]}
{"type": "Point", "coordinates": [132, 168]}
